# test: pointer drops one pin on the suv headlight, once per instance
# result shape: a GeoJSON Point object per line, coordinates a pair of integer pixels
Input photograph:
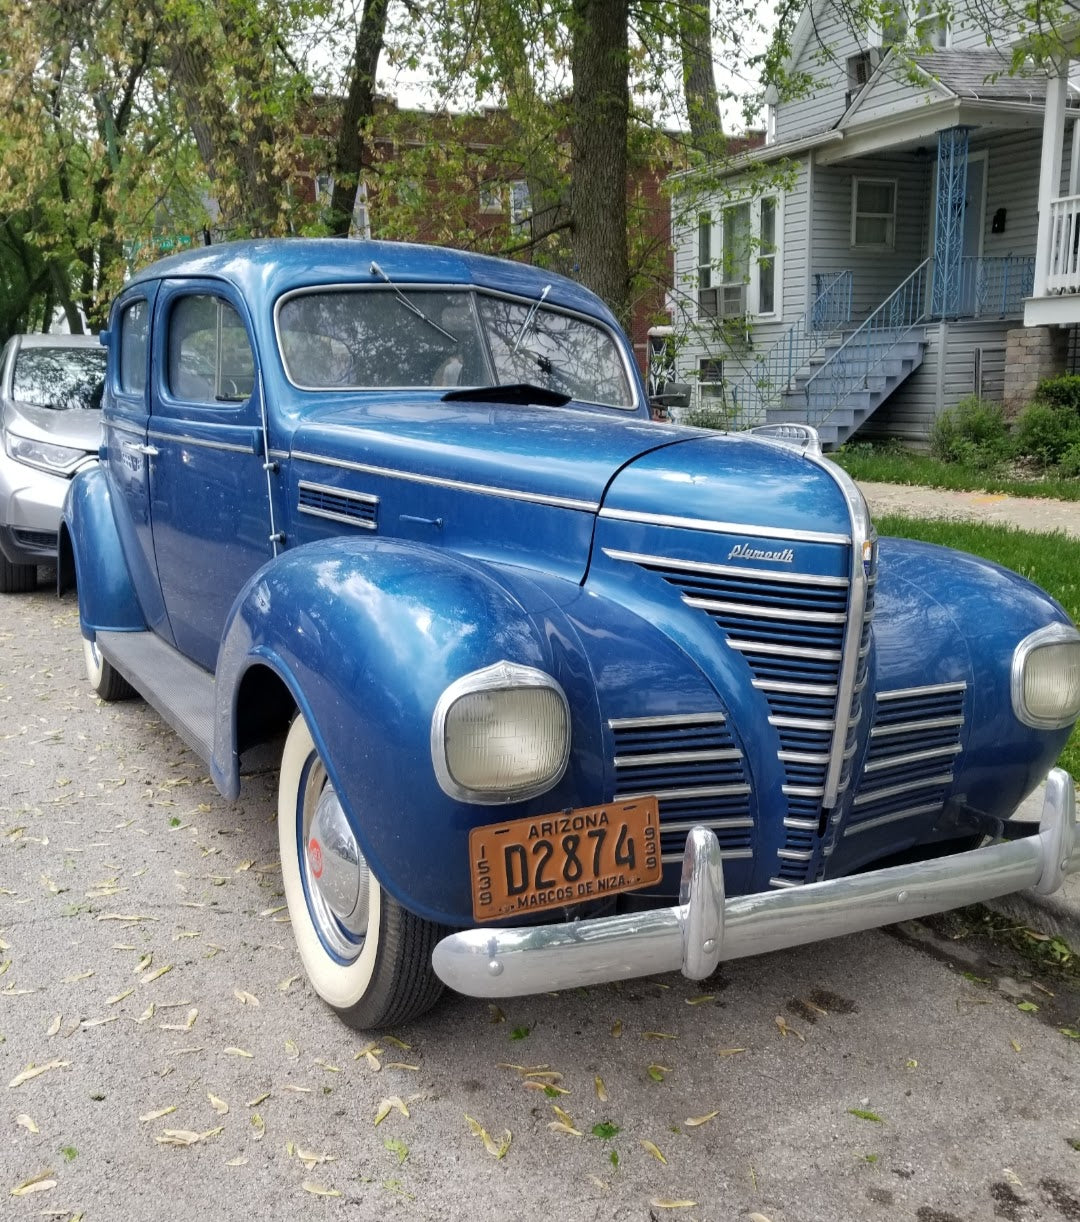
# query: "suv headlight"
{"type": "Point", "coordinates": [1046, 678]}
{"type": "Point", "coordinates": [57, 460]}
{"type": "Point", "coordinates": [501, 734]}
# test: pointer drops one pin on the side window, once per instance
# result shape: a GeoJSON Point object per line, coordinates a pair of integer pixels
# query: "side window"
{"type": "Point", "coordinates": [209, 357]}
{"type": "Point", "coordinates": [134, 332]}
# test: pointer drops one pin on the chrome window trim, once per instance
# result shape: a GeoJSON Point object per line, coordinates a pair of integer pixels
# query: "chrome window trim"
{"type": "Point", "coordinates": [500, 676]}
{"type": "Point", "coordinates": [1051, 634]}
{"type": "Point", "coordinates": [725, 528]}
{"type": "Point", "coordinates": [473, 291]}
{"type": "Point", "coordinates": [439, 481]}
{"type": "Point", "coordinates": [667, 719]}
{"type": "Point", "coordinates": [723, 570]}
{"type": "Point", "coordinates": [202, 442]}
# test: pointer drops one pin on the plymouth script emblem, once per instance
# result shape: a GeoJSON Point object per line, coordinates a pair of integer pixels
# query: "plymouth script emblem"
{"type": "Point", "coordinates": [743, 551]}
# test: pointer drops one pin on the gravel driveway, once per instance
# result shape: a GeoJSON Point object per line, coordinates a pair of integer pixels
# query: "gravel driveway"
{"type": "Point", "coordinates": [162, 1056]}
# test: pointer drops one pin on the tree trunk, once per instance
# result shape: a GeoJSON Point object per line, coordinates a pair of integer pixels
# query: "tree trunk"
{"type": "Point", "coordinates": [359, 105]}
{"type": "Point", "coordinates": [599, 121]}
{"type": "Point", "coordinates": [699, 82]}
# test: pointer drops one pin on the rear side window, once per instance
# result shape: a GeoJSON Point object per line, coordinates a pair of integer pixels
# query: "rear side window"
{"type": "Point", "coordinates": [209, 357]}
{"type": "Point", "coordinates": [134, 332]}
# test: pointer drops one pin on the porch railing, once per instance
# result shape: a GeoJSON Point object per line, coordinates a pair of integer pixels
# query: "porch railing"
{"type": "Point", "coordinates": [1064, 275]}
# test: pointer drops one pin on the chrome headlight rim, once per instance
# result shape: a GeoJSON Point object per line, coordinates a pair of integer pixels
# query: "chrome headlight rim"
{"type": "Point", "coordinates": [1051, 634]}
{"type": "Point", "coordinates": [500, 676]}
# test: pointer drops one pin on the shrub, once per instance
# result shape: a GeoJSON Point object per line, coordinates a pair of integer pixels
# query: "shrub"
{"type": "Point", "coordinates": [1046, 433]}
{"type": "Point", "coordinates": [717, 417]}
{"type": "Point", "coordinates": [1062, 392]}
{"type": "Point", "coordinates": [1069, 466]}
{"type": "Point", "coordinates": [973, 433]}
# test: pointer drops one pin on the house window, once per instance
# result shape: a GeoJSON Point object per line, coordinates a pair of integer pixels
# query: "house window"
{"type": "Point", "coordinates": [859, 70]}
{"type": "Point", "coordinates": [324, 188]}
{"type": "Point", "coordinates": [766, 264]}
{"type": "Point", "coordinates": [704, 251]}
{"type": "Point", "coordinates": [873, 212]}
{"type": "Point", "coordinates": [932, 25]}
{"type": "Point", "coordinates": [491, 199]}
{"type": "Point", "coordinates": [710, 380]}
{"type": "Point", "coordinates": [520, 202]}
{"type": "Point", "coordinates": [360, 225]}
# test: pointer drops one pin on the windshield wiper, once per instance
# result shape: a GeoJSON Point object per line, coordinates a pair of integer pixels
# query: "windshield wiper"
{"type": "Point", "coordinates": [528, 319]}
{"type": "Point", "coordinates": [412, 307]}
{"type": "Point", "coordinates": [523, 393]}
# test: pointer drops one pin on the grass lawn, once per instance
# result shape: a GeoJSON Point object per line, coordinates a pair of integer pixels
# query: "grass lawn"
{"type": "Point", "coordinates": [893, 465]}
{"type": "Point", "coordinates": [1051, 561]}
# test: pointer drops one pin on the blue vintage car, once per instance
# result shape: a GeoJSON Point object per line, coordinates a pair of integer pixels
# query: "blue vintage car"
{"type": "Point", "coordinates": [563, 695]}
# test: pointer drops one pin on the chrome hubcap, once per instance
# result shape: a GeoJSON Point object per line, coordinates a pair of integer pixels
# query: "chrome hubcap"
{"type": "Point", "coordinates": [338, 879]}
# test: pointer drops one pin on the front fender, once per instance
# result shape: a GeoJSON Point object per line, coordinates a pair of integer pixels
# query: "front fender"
{"type": "Point", "coordinates": [367, 634]}
{"type": "Point", "coordinates": [106, 595]}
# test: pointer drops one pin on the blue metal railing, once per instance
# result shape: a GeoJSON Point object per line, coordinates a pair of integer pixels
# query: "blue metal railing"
{"type": "Point", "coordinates": [763, 381]}
{"type": "Point", "coordinates": [992, 287]}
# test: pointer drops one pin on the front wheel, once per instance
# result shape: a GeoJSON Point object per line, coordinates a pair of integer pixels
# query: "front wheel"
{"type": "Point", "coordinates": [364, 954]}
{"type": "Point", "coordinates": [17, 578]}
{"type": "Point", "coordinates": [104, 678]}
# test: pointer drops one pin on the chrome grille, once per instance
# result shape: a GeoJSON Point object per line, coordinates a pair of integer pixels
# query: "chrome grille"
{"type": "Point", "coordinates": [338, 505]}
{"type": "Point", "coordinates": [909, 764]}
{"type": "Point", "coordinates": [691, 764]}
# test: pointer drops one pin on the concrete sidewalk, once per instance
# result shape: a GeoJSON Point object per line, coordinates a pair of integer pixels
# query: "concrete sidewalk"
{"type": "Point", "coordinates": [1058, 914]}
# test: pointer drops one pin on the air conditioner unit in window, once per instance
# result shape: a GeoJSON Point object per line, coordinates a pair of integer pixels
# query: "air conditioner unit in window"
{"type": "Point", "coordinates": [708, 305]}
{"type": "Point", "coordinates": [732, 300]}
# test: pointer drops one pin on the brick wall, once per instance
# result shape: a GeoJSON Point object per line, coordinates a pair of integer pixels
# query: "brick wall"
{"type": "Point", "coordinates": [1031, 354]}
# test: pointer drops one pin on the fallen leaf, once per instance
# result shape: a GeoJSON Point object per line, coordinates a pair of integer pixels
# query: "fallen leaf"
{"type": "Point", "coordinates": [1009, 1174]}
{"type": "Point", "coordinates": [701, 999]}
{"type": "Point", "coordinates": [162, 1111]}
{"type": "Point", "coordinates": [1015, 1045]}
{"type": "Point", "coordinates": [862, 1114]}
{"type": "Point", "coordinates": [239, 1161]}
{"type": "Point", "coordinates": [142, 965]}
{"type": "Point", "coordinates": [397, 1147]}
{"type": "Point", "coordinates": [78, 976]}
{"type": "Point", "coordinates": [27, 1123]}
{"type": "Point", "coordinates": [310, 1159]}
{"type": "Point", "coordinates": [601, 1089]}
{"type": "Point", "coordinates": [692, 1122]}
{"type": "Point", "coordinates": [219, 1105]}
{"type": "Point", "coordinates": [657, 1072]}
{"type": "Point", "coordinates": [41, 1182]}
{"type": "Point", "coordinates": [147, 1014]}
{"type": "Point", "coordinates": [261, 1099]}
{"type": "Point", "coordinates": [664, 1203]}
{"type": "Point", "coordinates": [616, 1028]}
{"type": "Point", "coordinates": [785, 1030]}
{"type": "Point", "coordinates": [318, 1190]}
{"type": "Point", "coordinates": [32, 1071]}
{"type": "Point", "coordinates": [386, 1106]}
{"type": "Point", "coordinates": [497, 1149]}
{"type": "Point", "coordinates": [651, 1148]}
{"type": "Point", "coordinates": [729, 1052]}
{"type": "Point", "coordinates": [259, 1125]}
{"type": "Point", "coordinates": [560, 1126]}
{"type": "Point", "coordinates": [287, 983]}
{"type": "Point", "coordinates": [178, 1137]}
{"type": "Point", "coordinates": [112, 1001]}
{"type": "Point", "coordinates": [495, 1015]}
{"type": "Point", "coordinates": [758, 1218]}
{"type": "Point", "coordinates": [239, 1052]}
{"type": "Point", "coordinates": [186, 1025]}
{"type": "Point", "coordinates": [326, 1065]}
{"type": "Point", "coordinates": [393, 1039]}
{"type": "Point", "coordinates": [292, 1051]}
{"type": "Point", "coordinates": [402, 1065]}
{"type": "Point", "coordinates": [659, 1035]}
{"type": "Point", "coordinates": [245, 998]}
{"type": "Point", "coordinates": [1028, 1007]}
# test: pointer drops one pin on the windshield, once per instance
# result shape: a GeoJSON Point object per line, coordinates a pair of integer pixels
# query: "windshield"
{"type": "Point", "coordinates": [59, 378]}
{"type": "Point", "coordinates": [378, 338]}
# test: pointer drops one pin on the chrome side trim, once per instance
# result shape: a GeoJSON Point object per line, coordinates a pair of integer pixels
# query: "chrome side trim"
{"type": "Point", "coordinates": [795, 854]}
{"type": "Point", "coordinates": [758, 611]}
{"type": "Point", "coordinates": [724, 528]}
{"type": "Point", "coordinates": [676, 757]}
{"type": "Point", "coordinates": [706, 927]}
{"type": "Point", "coordinates": [802, 791]}
{"type": "Point", "coordinates": [360, 498]}
{"type": "Point", "coordinates": [674, 719]}
{"type": "Point", "coordinates": [803, 757]}
{"type": "Point", "coordinates": [784, 651]}
{"type": "Point", "coordinates": [200, 442]}
{"type": "Point", "coordinates": [800, 825]}
{"type": "Point", "coordinates": [346, 494]}
{"type": "Point", "coordinates": [912, 757]}
{"type": "Point", "coordinates": [803, 723]}
{"type": "Point", "coordinates": [908, 812]}
{"type": "Point", "coordinates": [512, 494]}
{"type": "Point", "coordinates": [932, 689]}
{"type": "Point", "coordinates": [796, 689]}
{"type": "Point", "coordinates": [122, 426]}
{"type": "Point", "coordinates": [724, 570]}
{"type": "Point", "coordinates": [337, 517]}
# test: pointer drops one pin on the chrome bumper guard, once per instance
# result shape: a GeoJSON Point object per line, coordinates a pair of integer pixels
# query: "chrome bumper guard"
{"type": "Point", "coordinates": [704, 927]}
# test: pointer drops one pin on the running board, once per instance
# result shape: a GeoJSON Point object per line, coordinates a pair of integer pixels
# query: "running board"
{"type": "Point", "coordinates": [180, 691]}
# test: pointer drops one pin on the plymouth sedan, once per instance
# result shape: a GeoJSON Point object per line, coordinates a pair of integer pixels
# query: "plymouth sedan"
{"type": "Point", "coordinates": [563, 695]}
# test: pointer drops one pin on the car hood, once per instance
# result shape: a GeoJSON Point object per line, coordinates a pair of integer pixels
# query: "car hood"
{"type": "Point", "coordinates": [79, 428]}
{"type": "Point", "coordinates": [526, 484]}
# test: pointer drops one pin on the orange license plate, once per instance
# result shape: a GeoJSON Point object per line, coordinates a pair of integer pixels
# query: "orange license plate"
{"type": "Point", "coordinates": [549, 861]}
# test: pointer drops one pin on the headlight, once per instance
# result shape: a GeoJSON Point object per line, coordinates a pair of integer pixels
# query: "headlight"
{"type": "Point", "coordinates": [58, 460]}
{"type": "Point", "coordinates": [501, 734]}
{"type": "Point", "coordinates": [1046, 678]}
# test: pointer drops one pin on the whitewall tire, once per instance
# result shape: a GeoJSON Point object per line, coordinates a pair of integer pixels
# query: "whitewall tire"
{"type": "Point", "coordinates": [365, 955]}
{"type": "Point", "coordinates": [104, 678]}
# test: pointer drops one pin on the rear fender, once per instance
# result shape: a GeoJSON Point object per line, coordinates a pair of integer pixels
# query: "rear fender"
{"type": "Point", "coordinates": [367, 635]}
{"type": "Point", "coordinates": [107, 599]}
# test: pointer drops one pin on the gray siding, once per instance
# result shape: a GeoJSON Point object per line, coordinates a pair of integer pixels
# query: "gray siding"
{"type": "Point", "coordinates": [890, 93]}
{"type": "Point", "coordinates": [824, 58]}
{"type": "Point", "coordinates": [1012, 183]}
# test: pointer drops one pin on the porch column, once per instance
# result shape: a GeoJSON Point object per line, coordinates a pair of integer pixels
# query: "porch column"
{"type": "Point", "coordinates": [952, 164]}
{"type": "Point", "coordinates": [1050, 172]}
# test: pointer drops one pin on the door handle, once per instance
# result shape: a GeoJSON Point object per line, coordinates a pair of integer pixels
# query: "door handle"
{"type": "Point", "coordinates": [149, 451]}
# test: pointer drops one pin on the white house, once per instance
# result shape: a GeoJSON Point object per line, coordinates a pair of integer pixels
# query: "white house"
{"type": "Point", "coordinates": [868, 267]}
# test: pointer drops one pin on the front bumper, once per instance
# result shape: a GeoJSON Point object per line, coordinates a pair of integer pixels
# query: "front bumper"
{"type": "Point", "coordinates": [705, 927]}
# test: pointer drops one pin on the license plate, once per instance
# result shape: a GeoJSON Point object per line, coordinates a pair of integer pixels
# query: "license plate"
{"type": "Point", "coordinates": [549, 861]}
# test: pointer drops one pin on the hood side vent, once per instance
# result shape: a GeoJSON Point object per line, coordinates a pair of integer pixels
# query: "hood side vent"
{"type": "Point", "coordinates": [338, 504]}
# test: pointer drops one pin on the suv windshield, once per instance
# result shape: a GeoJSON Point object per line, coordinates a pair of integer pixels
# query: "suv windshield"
{"type": "Point", "coordinates": [60, 378]}
{"type": "Point", "coordinates": [371, 338]}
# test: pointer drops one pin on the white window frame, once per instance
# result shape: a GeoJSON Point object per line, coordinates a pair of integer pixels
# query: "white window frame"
{"type": "Point", "coordinates": [491, 201]}
{"type": "Point", "coordinates": [360, 224]}
{"type": "Point", "coordinates": [324, 189]}
{"type": "Point", "coordinates": [776, 254]}
{"type": "Point", "coordinates": [890, 217]}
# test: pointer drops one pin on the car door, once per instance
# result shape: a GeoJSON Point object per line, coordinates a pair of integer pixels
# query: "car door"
{"type": "Point", "coordinates": [209, 500]}
{"type": "Point", "coordinates": [124, 422]}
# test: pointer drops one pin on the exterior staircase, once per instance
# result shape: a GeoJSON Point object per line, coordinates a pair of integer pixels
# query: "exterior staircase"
{"type": "Point", "coordinates": [822, 392]}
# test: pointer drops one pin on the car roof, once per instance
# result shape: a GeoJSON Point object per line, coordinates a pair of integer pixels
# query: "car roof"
{"type": "Point", "coordinates": [275, 265]}
{"type": "Point", "coordinates": [37, 340]}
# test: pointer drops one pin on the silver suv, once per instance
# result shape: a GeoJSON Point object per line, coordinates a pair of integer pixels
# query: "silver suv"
{"type": "Point", "coordinates": [50, 417]}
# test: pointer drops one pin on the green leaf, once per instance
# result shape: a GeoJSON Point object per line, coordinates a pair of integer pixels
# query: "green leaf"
{"type": "Point", "coordinates": [613, 1158]}
{"type": "Point", "coordinates": [864, 1115]}
{"type": "Point", "coordinates": [69, 1152]}
{"type": "Point", "coordinates": [1029, 1007]}
{"type": "Point", "coordinates": [396, 1146]}
{"type": "Point", "coordinates": [605, 1130]}
{"type": "Point", "coordinates": [1070, 1032]}
{"type": "Point", "coordinates": [975, 979]}
{"type": "Point", "coordinates": [1074, 1142]}
{"type": "Point", "coordinates": [519, 1033]}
